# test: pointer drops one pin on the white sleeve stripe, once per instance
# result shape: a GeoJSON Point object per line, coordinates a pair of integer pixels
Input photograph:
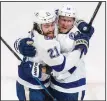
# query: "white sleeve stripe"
{"type": "Point", "coordinates": [17, 42]}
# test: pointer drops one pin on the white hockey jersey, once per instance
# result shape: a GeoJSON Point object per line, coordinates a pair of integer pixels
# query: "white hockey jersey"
{"type": "Point", "coordinates": [73, 80]}
{"type": "Point", "coordinates": [48, 52]}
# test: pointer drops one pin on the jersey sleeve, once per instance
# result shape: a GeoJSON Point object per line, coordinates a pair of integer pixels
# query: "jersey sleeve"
{"type": "Point", "coordinates": [61, 63]}
{"type": "Point", "coordinates": [55, 60]}
{"type": "Point", "coordinates": [49, 52]}
{"type": "Point", "coordinates": [72, 59]}
{"type": "Point", "coordinates": [17, 42]}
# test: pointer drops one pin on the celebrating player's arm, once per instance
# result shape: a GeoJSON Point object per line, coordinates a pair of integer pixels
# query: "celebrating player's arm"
{"type": "Point", "coordinates": [50, 56]}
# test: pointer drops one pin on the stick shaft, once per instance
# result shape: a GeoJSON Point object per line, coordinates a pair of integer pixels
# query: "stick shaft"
{"type": "Point", "coordinates": [95, 12]}
{"type": "Point", "coordinates": [10, 49]}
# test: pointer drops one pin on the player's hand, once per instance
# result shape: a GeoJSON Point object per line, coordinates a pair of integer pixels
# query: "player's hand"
{"type": "Point", "coordinates": [34, 69]}
{"type": "Point", "coordinates": [81, 42]}
{"type": "Point", "coordinates": [26, 48]}
{"type": "Point", "coordinates": [84, 28]}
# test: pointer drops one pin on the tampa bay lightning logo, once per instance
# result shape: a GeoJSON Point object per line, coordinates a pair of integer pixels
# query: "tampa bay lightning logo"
{"type": "Point", "coordinates": [71, 35]}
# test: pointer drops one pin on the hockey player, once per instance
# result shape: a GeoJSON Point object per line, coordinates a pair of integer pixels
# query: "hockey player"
{"type": "Point", "coordinates": [27, 87]}
{"type": "Point", "coordinates": [47, 48]}
{"type": "Point", "coordinates": [70, 85]}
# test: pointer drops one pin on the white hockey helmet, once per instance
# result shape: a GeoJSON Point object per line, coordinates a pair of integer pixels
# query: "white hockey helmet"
{"type": "Point", "coordinates": [44, 16]}
{"type": "Point", "coordinates": [67, 10]}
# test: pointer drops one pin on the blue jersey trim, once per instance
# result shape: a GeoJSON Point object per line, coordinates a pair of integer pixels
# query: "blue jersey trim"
{"type": "Point", "coordinates": [72, 69]}
{"type": "Point", "coordinates": [60, 67]}
{"type": "Point", "coordinates": [74, 84]}
{"type": "Point", "coordinates": [16, 43]}
{"type": "Point", "coordinates": [33, 81]}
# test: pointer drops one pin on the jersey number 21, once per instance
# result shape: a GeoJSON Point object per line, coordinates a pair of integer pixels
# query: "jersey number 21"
{"type": "Point", "coordinates": [53, 52]}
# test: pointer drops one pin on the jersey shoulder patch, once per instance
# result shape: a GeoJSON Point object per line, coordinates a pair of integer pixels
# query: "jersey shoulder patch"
{"type": "Point", "coordinates": [71, 35]}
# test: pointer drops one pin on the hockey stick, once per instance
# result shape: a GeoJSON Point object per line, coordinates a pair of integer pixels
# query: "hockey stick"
{"type": "Point", "coordinates": [87, 28]}
{"type": "Point", "coordinates": [10, 48]}
{"type": "Point", "coordinates": [21, 60]}
{"type": "Point", "coordinates": [95, 12]}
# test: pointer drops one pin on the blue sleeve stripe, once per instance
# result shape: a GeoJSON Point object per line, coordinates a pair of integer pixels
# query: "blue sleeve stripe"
{"type": "Point", "coordinates": [72, 69]}
{"type": "Point", "coordinates": [60, 67]}
{"type": "Point", "coordinates": [74, 84]}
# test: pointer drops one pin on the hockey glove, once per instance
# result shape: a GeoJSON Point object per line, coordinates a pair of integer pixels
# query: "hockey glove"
{"type": "Point", "coordinates": [26, 68]}
{"type": "Point", "coordinates": [85, 28]}
{"type": "Point", "coordinates": [25, 48]}
{"type": "Point", "coordinates": [81, 42]}
{"type": "Point", "coordinates": [37, 70]}
{"type": "Point", "coordinates": [32, 69]}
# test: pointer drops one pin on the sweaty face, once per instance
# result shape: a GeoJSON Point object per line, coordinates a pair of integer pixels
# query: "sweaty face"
{"type": "Point", "coordinates": [65, 24]}
{"type": "Point", "coordinates": [48, 29]}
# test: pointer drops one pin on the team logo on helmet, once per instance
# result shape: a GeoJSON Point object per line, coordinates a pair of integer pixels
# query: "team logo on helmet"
{"type": "Point", "coordinates": [48, 14]}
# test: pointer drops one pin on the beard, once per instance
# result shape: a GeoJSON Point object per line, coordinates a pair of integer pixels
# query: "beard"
{"type": "Point", "coordinates": [50, 34]}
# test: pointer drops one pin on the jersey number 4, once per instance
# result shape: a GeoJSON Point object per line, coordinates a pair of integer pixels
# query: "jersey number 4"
{"type": "Point", "coordinates": [53, 52]}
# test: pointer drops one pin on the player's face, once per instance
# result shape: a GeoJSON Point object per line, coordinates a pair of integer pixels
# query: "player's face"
{"type": "Point", "coordinates": [48, 29]}
{"type": "Point", "coordinates": [65, 24]}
